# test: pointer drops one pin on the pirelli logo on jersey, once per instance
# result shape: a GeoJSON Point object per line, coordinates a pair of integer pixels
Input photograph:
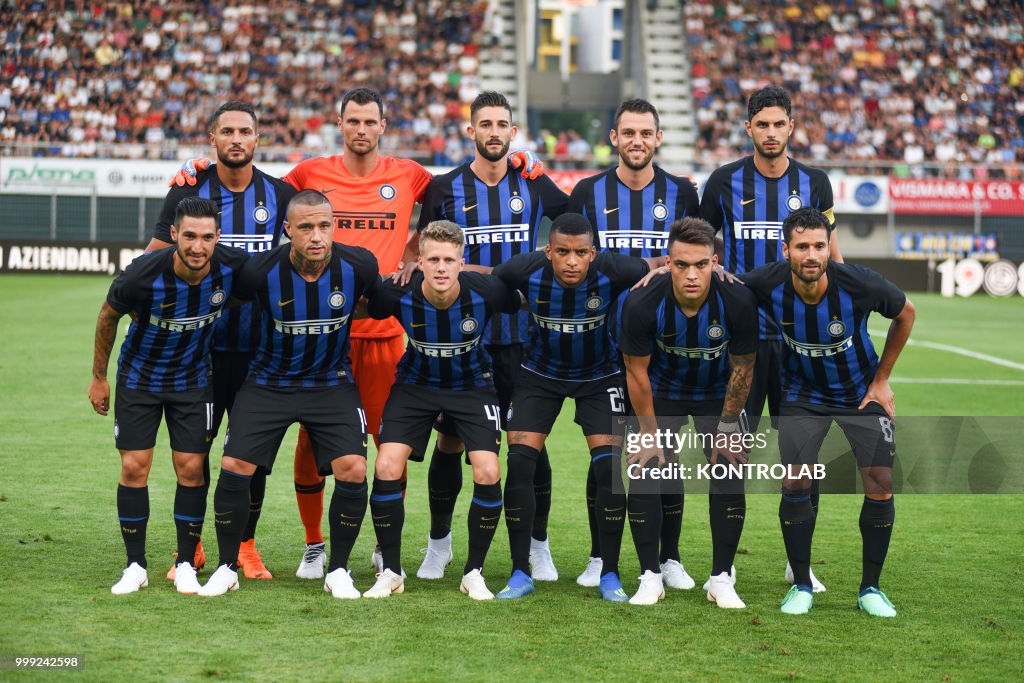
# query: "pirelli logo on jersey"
{"type": "Point", "coordinates": [710, 353]}
{"type": "Point", "coordinates": [299, 327]}
{"type": "Point", "coordinates": [253, 244]}
{"type": "Point", "coordinates": [497, 234]}
{"type": "Point", "coordinates": [758, 230]}
{"type": "Point", "coordinates": [444, 350]}
{"type": "Point", "coordinates": [364, 220]}
{"type": "Point", "coordinates": [184, 324]}
{"type": "Point", "coordinates": [569, 325]}
{"type": "Point", "coordinates": [633, 239]}
{"type": "Point", "coordinates": [818, 350]}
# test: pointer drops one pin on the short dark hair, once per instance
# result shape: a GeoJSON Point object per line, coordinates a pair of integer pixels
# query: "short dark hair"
{"type": "Point", "coordinates": [637, 106]}
{"type": "Point", "coordinates": [234, 105]}
{"type": "Point", "coordinates": [692, 230]}
{"type": "Point", "coordinates": [772, 96]}
{"type": "Point", "coordinates": [805, 218]}
{"type": "Point", "coordinates": [195, 207]}
{"type": "Point", "coordinates": [572, 224]}
{"type": "Point", "coordinates": [362, 96]}
{"type": "Point", "coordinates": [307, 198]}
{"type": "Point", "coordinates": [489, 98]}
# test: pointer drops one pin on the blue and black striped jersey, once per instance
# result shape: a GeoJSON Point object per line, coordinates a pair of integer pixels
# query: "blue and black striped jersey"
{"type": "Point", "coordinates": [749, 209]}
{"type": "Point", "coordinates": [251, 220]}
{"type": "Point", "coordinates": [634, 222]}
{"type": "Point", "coordinates": [167, 348]}
{"type": "Point", "coordinates": [305, 337]}
{"type": "Point", "coordinates": [689, 356]}
{"type": "Point", "coordinates": [498, 223]}
{"type": "Point", "coordinates": [570, 338]}
{"type": "Point", "coordinates": [444, 349]}
{"type": "Point", "coordinates": [827, 355]}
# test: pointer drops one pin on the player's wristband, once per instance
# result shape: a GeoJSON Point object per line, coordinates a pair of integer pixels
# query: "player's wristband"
{"type": "Point", "coordinates": [728, 427]}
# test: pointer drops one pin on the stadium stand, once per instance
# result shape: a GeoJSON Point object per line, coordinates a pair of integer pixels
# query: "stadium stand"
{"type": "Point", "coordinates": [140, 79]}
{"type": "Point", "coordinates": [907, 81]}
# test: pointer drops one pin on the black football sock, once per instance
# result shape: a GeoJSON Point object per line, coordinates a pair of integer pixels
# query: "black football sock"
{"type": "Point", "coordinates": [595, 538]}
{"type": "Point", "coordinates": [230, 514]}
{"type": "Point", "coordinates": [388, 511]}
{"type": "Point", "coordinates": [484, 513]}
{"type": "Point", "coordinates": [520, 503]}
{"type": "Point", "coordinates": [542, 492]}
{"type": "Point", "coordinates": [815, 496]}
{"type": "Point", "coordinates": [257, 492]}
{"type": "Point", "coordinates": [345, 518]}
{"type": "Point", "coordinates": [645, 526]}
{"type": "Point", "coordinates": [671, 526]}
{"type": "Point", "coordinates": [444, 481]}
{"type": "Point", "coordinates": [727, 512]}
{"type": "Point", "coordinates": [876, 520]}
{"type": "Point", "coordinates": [610, 507]}
{"type": "Point", "coordinates": [189, 513]}
{"type": "Point", "coordinates": [133, 515]}
{"type": "Point", "coordinates": [797, 519]}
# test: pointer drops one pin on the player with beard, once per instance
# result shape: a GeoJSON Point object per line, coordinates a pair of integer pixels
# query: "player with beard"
{"type": "Point", "coordinates": [173, 296]}
{"type": "Point", "coordinates": [500, 214]}
{"type": "Point", "coordinates": [251, 210]}
{"type": "Point", "coordinates": [631, 207]}
{"type": "Point", "coordinates": [748, 200]}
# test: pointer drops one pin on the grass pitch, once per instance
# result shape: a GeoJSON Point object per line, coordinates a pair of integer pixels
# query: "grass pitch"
{"type": "Point", "coordinates": [954, 568]}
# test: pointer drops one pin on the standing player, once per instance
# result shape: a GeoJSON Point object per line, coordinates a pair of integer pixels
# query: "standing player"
{"type": "Point", "coordinates": [747, 200]}
{"type": "Point", "coordinates": [174, 296]}
{"type": "Point", "coordinates": [570, 290]}
{"type": "Point", "coordinates": [444, 311]}
{"type": "Point", "coordinates": [832, 373]}
{"type": "Point", "coordinates": [675, 335]}
{"type": "Point", "coordinates": [251, 208]}
{"type": "Point", "coordinates": [631, 207]}
{"type": "Point", "coordinates": [500, 214]}
{"type": "Point", "coordinates": [307, 291]}
{"type": "Point", "coordinates": [373, 198]}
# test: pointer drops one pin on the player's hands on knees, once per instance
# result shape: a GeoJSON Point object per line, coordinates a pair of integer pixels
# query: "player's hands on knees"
{"type": "Point", "coordinates": [646, 279]}
{"type": "Point", "coordinates": [646, 455]}
{"type": "Point", "coordinates": [881, 393]}
{"type": "Point", "coordinates": [99, 395]}
{"type": "Point", "coordinates": [186, 175]}
{"type": "Point", "coordinates": [529, 164]}
{"type": "Point", "coordinates": [726, 276]}
{"type": "Point", "coordinates": [404, 273]}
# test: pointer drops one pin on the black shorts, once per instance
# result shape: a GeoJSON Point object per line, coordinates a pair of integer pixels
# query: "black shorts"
{"type": "Point", "coordinates": [230, 368]}
{"type": "Point", "coordinates": [600, 403]}
{"type": "Point", "coordinates": [333, 418]}
{"type": "Point", "coordinates": [767, 384]}
{"type": "Point", "coordinates": [411, 410]}
{"type": "Point", "coordinates": [705, 414]}
{"type": "Point", "coordinates": [189, 415]}
{"type": "Point", "coordinates": [871, 433]}
{"type": "Point", "coordinates": [505, 361]}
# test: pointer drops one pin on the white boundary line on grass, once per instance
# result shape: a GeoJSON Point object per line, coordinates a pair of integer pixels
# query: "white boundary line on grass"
{"type": "Point", "coordinates": [952, 380]}
{"type": "Point", "coordinates": [958, 350]}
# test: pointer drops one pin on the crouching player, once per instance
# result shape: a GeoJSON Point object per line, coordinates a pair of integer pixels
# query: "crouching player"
{"type": "Point", "coordinates": [830, 372]}
{"type": "Point", "coordinates": [570, 290]}
{"type": "Point", "coordinates": [444, 311]}
{"type": "Point", "coordinates": [688, 342]}
{"type": "Point", "coordinates": [174, 296]}
{"type": "Point", "coordinates": [307, 291]}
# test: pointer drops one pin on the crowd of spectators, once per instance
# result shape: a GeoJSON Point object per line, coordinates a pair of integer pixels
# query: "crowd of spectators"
{"type": "Point", "coordinates": [79, 75]}
{"type": "Point", "coordinates": [909, 82]}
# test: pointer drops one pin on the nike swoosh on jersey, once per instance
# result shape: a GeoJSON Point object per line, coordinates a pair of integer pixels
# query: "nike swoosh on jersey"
{"type": "Point", "coordinates": [608, 211]}
{"type": "Point", "coordinates": [418, 325]}
{"type": "Point", "coordinates": [326, 191]}
{"type": "Point", "coordinates": [744, 202]}
{"type": "Point", "coordinates": [173, 303]}
{"type": "Point", "coordinates": [785, 323]}
{"type": "Point", "coordinates": [469, 208]}
{"type": "Point", "coordinates": [541, 303]}
{"type": "Point", "coordinates": [284, 303]}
